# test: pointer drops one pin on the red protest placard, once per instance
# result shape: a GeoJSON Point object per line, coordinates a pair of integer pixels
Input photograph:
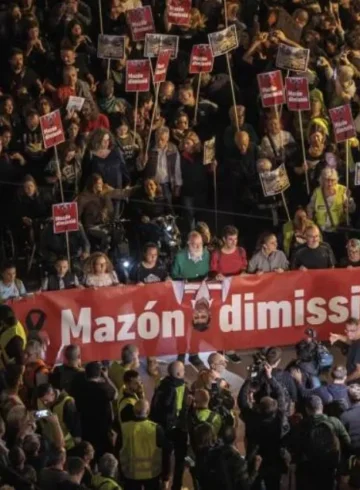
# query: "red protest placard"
{"type": "Point", "coordinates": [52, 129]}
{"type": "Point", "coordinates": [342, 122]}
{"type": "Point", "coordinates": [141, 22]}
{"type": "Point", "coordinates": [137, 76]}
{"type": "Point", "coordinates": [297, 93]}
{"type": "Point", "coordinates": [178, 12]}
{"type": "Point", "coordinates": [162, 64]}
{"type": "Point", "coordinates": [271, 88]}
{"type": "Point", "coordinates": [65, 217]}
{"type": "Point", "coordinates": [201, 59]}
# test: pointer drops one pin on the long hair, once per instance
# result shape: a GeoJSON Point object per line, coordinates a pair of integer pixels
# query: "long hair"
{"type": "Point", "coordinates": [96, 138]}
{"type": "Point", "coordinates": [191, 135]}
{"type": "Point", "coordinates": [89, 267]}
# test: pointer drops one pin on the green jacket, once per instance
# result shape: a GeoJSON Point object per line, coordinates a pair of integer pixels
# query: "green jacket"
{"type": "Point", "coordinates": [186, 268]}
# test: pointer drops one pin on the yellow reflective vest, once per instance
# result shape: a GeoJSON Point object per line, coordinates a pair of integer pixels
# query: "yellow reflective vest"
{"type": "Point", "coordinates": [126, 400]}
{"type": "Point", "coordinates": [140, 458]}
{"type": "Point", "coordinates": [116, 374]}
{"type": "Point", "coordinates": [99, 482]}
{"type": "Point", "coordinates": [336, 209]}
{"type": "Point", "coordinates": [210, 417]}
{"type": "Point", "coordinates": [57, 409]}
{"type": "Point", "coordinates": [5, 337]}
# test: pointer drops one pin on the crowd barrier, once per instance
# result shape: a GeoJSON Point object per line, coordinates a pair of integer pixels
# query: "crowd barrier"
{"type": "Point", "coordinates": [174, 317]}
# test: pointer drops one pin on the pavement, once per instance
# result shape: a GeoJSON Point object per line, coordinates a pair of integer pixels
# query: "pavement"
{"type": "Point", "coordinates": [234, 375]}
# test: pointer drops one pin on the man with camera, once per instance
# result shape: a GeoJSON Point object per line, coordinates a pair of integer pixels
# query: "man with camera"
{"type": "Point", "coordinates": [272, 358]}
{"type": "Point", "coordinates": [266, 425]}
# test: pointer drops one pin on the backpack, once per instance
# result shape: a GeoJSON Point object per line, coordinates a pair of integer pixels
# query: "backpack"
{"type": "Point", "coordinates": [195, 423]}
{"type": "Point", "coordinates": [321, 445]}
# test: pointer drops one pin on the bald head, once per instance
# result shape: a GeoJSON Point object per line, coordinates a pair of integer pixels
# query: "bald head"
{"type": "Point", "coordinates": [176, 369]}
{"type": "Point", "coordinates": [242, 141]}
{"type": "Point", "coordinates": [217, 362]}
{"type": "Point", "coordinates": [141, 409]}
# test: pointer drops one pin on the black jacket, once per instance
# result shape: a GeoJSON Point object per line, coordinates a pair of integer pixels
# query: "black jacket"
{"type": "Point", "coordinates": [222, 467]}
{"type": "Point", "coordinates": [264, 433]}
{"type": "Point", "coordinates": [351, 421]}
{"type": "Point", "coordinates": [163, 404]}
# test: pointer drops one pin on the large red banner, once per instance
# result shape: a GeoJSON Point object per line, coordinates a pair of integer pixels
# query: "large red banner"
{"type": "Point", "coordinates": [174, 317]}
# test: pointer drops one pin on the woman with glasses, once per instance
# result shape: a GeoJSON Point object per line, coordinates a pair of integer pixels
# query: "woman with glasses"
{"type": "Point", "coordinates": [99, 272]}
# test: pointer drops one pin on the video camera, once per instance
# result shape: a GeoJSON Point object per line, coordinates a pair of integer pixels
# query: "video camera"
{"type": "Point", "coordinates": [258, 364]}
{"type": "Point", "coordinates": [317, 352]}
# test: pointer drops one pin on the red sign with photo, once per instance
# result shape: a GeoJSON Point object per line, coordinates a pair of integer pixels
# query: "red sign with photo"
{"type": "Point", "coordinates": [343, 123]}
{"type": "Point", "coordinates": [65, 217]}
{"type": "Point", "coordinates": [201, 59]}
{"type": "Point", "coordinates": [162, 64]}
{"type": "Point", "coordinates": [271, 88]}
{"type": "Point", "coordinates": [137, 76]}
{"type": "Point", "coordinates": [141, 22]}
{"type": "Point", "coordinates": [297, 93]}
{"type": "Point", "coordinates": [178, 12]}
{"type": "Point", "coordinates": [52, 129]}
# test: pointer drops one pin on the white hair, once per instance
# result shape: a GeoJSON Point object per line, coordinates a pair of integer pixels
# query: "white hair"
{"type": "Point", "coordinates": [160, 131]}
{"type": "Point", "coordinates": [328, 173]}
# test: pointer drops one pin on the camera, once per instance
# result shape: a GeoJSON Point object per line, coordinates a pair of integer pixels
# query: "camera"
{"type": "Point", "coordinates": [258, 364]}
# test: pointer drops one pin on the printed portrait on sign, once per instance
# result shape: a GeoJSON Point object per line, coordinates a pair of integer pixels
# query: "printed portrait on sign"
{"type": "Point", "coordinates": [200, 297]}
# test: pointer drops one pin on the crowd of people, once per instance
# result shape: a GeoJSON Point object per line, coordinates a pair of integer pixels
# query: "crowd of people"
{"type": "Point", "coordinates": [71, 427]}
{"type": "Point", "coordinates": [131, 162]}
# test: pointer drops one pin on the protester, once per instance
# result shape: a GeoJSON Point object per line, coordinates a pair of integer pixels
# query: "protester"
{"type": "Point", "coordinates": [10, 286]}
{"type": "Point", "coordinates": [268, 258]}
{"type": "Point", "coordinates": [314, 254]}
{"type": "Point", "coordinates": [266, 162]}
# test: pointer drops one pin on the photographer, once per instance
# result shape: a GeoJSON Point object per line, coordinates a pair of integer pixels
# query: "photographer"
{"type": "Point", "coordinates": [273, 358]}
{"type": "Point", "coordinates": [221, 400]}
{"type": "Point", "coordinates": [266, 426]}
{"type": "Point", "coordinates": [312, 358]}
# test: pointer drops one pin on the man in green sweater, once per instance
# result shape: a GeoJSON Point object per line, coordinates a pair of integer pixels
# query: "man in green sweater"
{"type": "Point", "coordinates": [192, 264]}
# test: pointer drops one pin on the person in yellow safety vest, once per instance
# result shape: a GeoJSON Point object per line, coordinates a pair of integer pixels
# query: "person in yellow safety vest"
{"type": "Point", "coordinates": [63, 405]}
{"type": "Point", "coordinates": [330, 202]}
{"type": "Point", "coordinates": [169, 407]}
{"type": "Point", "coordinates": [293, 231]}
{"type": "Point", "coordinates": [12, 338]}
{"type": "Point", "coordinates": [144, 451]}
{"type": "Point", "coordinates": [132, 392]}
{"type": "Point", "coordinates": [201, 413]}
{"type": "Point", "coordinates": [129, 360]}
{"type": "Point", "coordinates": [106, 478]}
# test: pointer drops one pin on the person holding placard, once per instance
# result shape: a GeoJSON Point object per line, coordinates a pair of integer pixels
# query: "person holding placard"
{"type": "Point", "coordinates": [195, 177]}
{"type": "Point", "coordinates": [71, 86]}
